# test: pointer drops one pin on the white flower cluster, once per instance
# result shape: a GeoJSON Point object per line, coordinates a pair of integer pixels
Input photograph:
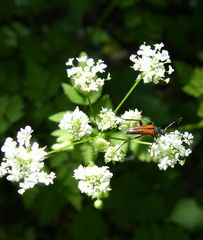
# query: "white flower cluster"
{"type": "Point", "coordinates": [171, 148]}
{"type": "Point", "coordinates": [100, 144]}
{"type": "Point", "coordinates": [93, 181]}
{"type": "Point", "coordinates": [114, 154]}
{"type": "Point", "coordinates": [23, 161]}
{"type": "Point", "coordinates": [129, 119]}
{"type": "Point", "coordinates": [85, 75]}
{"type": "Point", "coordinates": [151, 63]}
{"type": "Point", "coordinates": [106, 119]}
{"type": "Point", "coordinates": [76, 123]}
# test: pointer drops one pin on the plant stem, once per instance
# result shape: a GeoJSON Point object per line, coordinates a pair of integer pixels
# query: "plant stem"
{"type": "Point", "coordinates": [128, 140]}
{"type": "Point", "coordinates": [141, 142]}
{"type": "Point", "coordinates": [72, 144]}
{"type": "Point", "coordinates": [139, 78]}
{"type": "Point", "coordinates": [91, 108]}
{"type": "Point", "coordinates": [119, 139]}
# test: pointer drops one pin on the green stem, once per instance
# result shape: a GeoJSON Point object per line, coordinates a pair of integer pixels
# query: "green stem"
{"type": "Point", "coordinates": [141, 142]}
{"type": "Point", "coordinates": [91, 108]}
{"type": "Point", "coordinates": [119, 139]}
{"type": "Point", "coordinates": [139, 78]}
{"type": "Point", "coordinates": [72, 144]}
{"type": "Point", "coordinates": [127, 140]}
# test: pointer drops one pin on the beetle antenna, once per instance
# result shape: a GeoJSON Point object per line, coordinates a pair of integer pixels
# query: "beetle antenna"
{"type": "Point", "coordinates": [174, 122]}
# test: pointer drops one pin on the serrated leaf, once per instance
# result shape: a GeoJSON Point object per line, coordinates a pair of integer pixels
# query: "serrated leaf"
{"type": "Point", "coordinates": [56, 117]}
{"type": "Point", "coordinates": [195, 86]}
{"type": "Point", "coordinates": [75, 97]}
{"type": "Point", "coordinates": [188, 214]}
{"type": "Point", "coordinates": [63, 140]}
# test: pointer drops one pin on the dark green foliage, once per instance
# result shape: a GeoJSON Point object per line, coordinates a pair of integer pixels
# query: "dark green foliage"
{"type": "Point", "coordinates": [36, 39]}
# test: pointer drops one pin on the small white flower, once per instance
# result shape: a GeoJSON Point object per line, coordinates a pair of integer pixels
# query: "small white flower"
{"type": "Point", "coordinates": [76, 123]}
{"type": "Point", "coordinates": [23, 162]}
{"type": "Point", "coordinates": [85, 76]}
{"type": "Point", "coordinates": [114, 154]}
{"type": "Point", "coordinates": [129, 119]}
{"type": "Point", "coordinates": [9, 148]}
{"type": "Point", "coordinates": [24, 136]}
{"type": "Point", "coordinates": [93, 181]}
{"type": "Point", "coordinates": [165, 163]}
{"type": "Point", "coordinates": [70, 62]}
{"type": "Point", "coordinates": [100, 144]}
{"type": "Point", "coordinates": [106, 119]}
{"type": "Point", "coordinates": [151, 63]}
{"type": "Point", "coordinates": [171, 148]}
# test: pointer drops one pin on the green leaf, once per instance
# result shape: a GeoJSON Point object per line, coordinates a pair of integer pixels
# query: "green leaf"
{"type": "Point", "coordinates": [14, 109]}
{"type": "Point", "coordinates": [195, 86]}
{"type": "Point", "coordinates": [200, 110]}
{"type": "Point", "coordinates": [56, 117]}
{"type": "Point", "coordinates": [75, 97]}
{"type": "Point", "coordinates": [3, 125]}
{"type": "Point", "coordinates": [188, 214]}
{"type": "Point", "coordinates": [86, 152]}
{"type": "Point", "coordinates": [63, 141]}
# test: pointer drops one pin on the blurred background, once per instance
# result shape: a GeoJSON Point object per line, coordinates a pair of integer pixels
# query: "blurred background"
{"type": "Point", "coordinates": [36, 39]}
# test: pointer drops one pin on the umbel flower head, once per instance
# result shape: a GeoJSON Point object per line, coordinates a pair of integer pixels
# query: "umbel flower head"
{"type": "Point", "coordinates": [129, 119]}
{"type": "Point", "coordinates": [24, 162]}
{"type": "Point", "coordinates": [76, 123]}
{"type": "Point", "coordinates": [171, 148]}
{"type": "Point", "coordinates": [114, 154]}
{"type": "Point", "coordinates": [100, 144]}
{"type": "Point", "coordinates": [93, 180]}
{"type": "Point", "coordinates": [85, 75]}
{"type": "Point", "coordinates": [106, 119]}
{"type": "Point", "coordinates": [152, 63]}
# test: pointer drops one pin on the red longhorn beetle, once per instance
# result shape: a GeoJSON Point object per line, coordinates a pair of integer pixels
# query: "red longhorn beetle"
{"type": "Point", "coordinates": [150, 129]}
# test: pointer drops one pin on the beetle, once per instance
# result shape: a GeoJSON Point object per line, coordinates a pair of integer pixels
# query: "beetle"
{"type": "Point", "coordinates": [151, 129]}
